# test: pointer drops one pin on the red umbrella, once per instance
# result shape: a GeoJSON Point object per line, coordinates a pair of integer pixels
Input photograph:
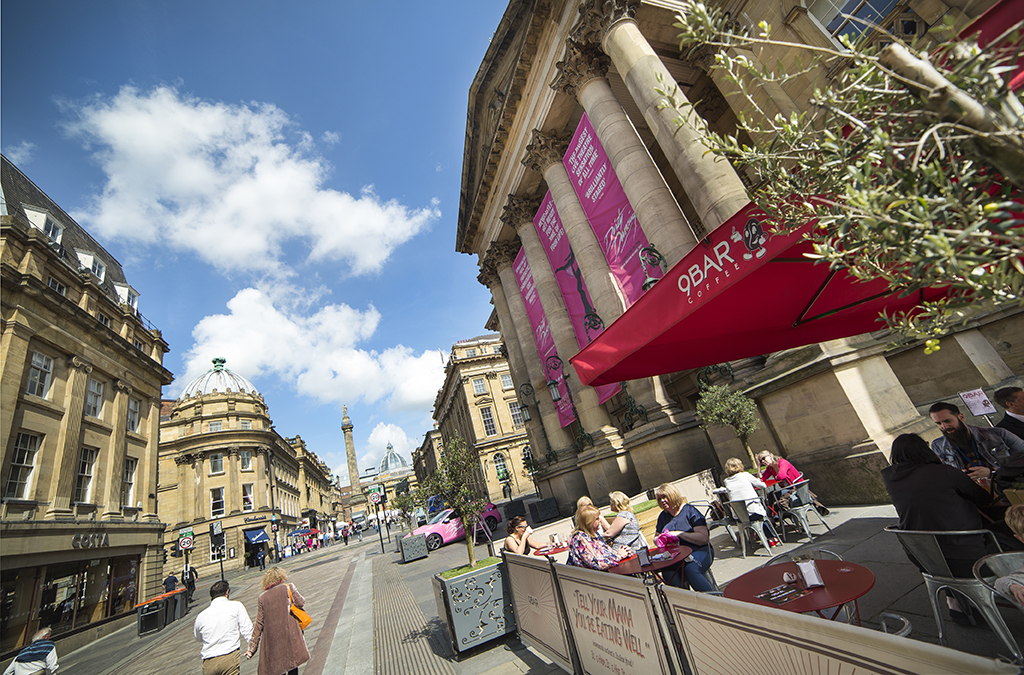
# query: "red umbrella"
{"type": "Point", "coordinates": [738, 294]}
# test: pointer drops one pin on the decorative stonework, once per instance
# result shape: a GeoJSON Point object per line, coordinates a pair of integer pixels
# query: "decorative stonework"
{"type": "Point", "coordinates": [545, 150]}
{"type": "Point", "coordinates": [78, 363]}
{"type": "Point", "coordinates": [519, 210]}
{"type": "Point", "coordinates": [124, 386]}
{"type": "Point", "coordinates": [488, 276]}
{"type": "Point", "coordinates": [500, 254]}
{"type": "Point", "coordinates": [598, 16]}
{"type": "Point", "coordinates": [582, 63]}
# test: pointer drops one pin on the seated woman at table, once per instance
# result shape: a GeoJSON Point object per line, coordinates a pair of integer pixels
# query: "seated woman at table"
{"type": "Point", "coordinates": [624, 530]}
{"type": "Point", "coordinates": [588, 549]}
{"type": "Point", "coordinates": [930, 495]}
{"type": "Point", "coordinates": [691, 529]}
{"type": "Point", "coordinates": [740, 485]}
{"type": "Point", "coordinates": [778, 469]}
{"type": "Point", "coordinates": [602, 524]}
{"type": "Point", "coordinates": [519, 539]}
{"type": "Point", "coordinates": [1012, 585]}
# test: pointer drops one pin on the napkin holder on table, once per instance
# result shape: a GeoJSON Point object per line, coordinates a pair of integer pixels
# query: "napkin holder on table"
{"type": "Point", "coordinates": [809, 573]}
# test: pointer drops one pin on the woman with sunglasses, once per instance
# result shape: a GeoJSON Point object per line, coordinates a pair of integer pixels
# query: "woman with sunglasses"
{"type": "Point", "coordinates": [519, 539]}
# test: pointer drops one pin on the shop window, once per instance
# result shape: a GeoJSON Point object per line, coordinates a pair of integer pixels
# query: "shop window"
{"type": "Point", "coordinates": [488, 418]}
{"type": "Point", "coordinates": [247, 504]}
{"type": "Point", "coordinates": [216, 502]}
{"type": "Point", "coordinates": [19, 480]}
{"type": "Point", "coordinates": [83, 483]}
{"type": "Point", "coordinates": [216, 463]}
{"type": "Point", "coordinates": [217, 553]}
{"type": "Point", "coordinates": [60, 597]}
{"type": "Point", "coordinates": [517, 412]}
{"type": "Point", "coordinates": [134, 408]}
{"type": "Point", "coordinates": [479, 386]}
{"type": "Point", "coordinates": [216, 426]}
{"type": "Point", "coordinates": [245, 460]}
{"type": "Point", "coordinates": [127, 485]}
{"type": "Point", "coordinates": [506, 381]}
{"type": "Point", "coordinates": [39, 375]}
{"type": "Point", "coordinates": [94, 399]}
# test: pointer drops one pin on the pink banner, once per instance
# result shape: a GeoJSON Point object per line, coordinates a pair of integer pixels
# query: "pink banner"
{"type": "Point", "coordinates": [610, 214]}
{"type": "Point", "coordinates": [569, 278]}
{"type": "Point", "coordinates": [541, 333]}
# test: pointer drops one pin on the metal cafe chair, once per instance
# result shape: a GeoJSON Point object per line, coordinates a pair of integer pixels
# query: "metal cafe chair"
{"type": "Point", "coordinates": [923, 545]}
{"type": "Point", "coordinates": [715, 518]}
{"type": "Point", "coordinates": [998, 565]}
{"type": "Point", "coordinates": [742, 517]}
{"type": "Point", "coordinates": [799, 512]}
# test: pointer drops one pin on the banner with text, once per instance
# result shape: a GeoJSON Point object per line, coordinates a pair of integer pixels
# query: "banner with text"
{"type": "Point", "coordinates": [612, 621]}
{"type": "Point", "coordinates": [570, 279]}
{"type": "Point", "coordinates": [539, 616]}
{"type": "Point", "coordinates": [541, 333]}
{"type": "Point", "coordinates": [610, 214]}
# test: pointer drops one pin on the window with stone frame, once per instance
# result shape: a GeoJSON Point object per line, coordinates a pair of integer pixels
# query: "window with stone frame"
{"type": "Point", "coordinates": [501, 467]}
{"type": "Point", "coordinates": [134, 414]}
{"type": "Point", "coordinates": [83, 481]}
{"type": "Point", "coordinates": [40, 374]}
{"type": "Point", "coordinates": [246, 424]}
{"type": "Point", "coordinates": [479, 386]}
{"type": "Point", "coordinates": [104, 319]}
{"type": "Point", "coordinates": [217, 425]}
{"type": "Point", "coordinates": [245, 460]}
{"type": "Point", "coordinates": [506, 381]}
{"type": "Point", "coordinates": [516, 410]}
{"type": "Point", "coordinates": [94, 399]}
{"type": "Point", "coordinates": [216, 463]}
{"type": "Point", "coordinates": [57, 286]}
{"type": "Point", "coordinates": [470, 352]}
{"type": "Point", "coordinates": [247, 492]}
{"type": "Point", "coordinates": [217, 553]}
{"type": "Point", "coordinates": [128, 482]}
{"type": "Point", "coordinates": [488, 418]}
{"type": "Point", "coordinates": [216, 502]}
{"type": "Point", "coordinates": [23, 462]}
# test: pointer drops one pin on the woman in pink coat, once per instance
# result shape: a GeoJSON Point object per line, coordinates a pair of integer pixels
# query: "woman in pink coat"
{"type": "Point", "coordinates": [284, 648]}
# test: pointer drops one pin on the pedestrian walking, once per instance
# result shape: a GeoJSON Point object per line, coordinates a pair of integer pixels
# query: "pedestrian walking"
{"type": "Point", "coordinates": [39, 656]}
{"type": "Point", "coordinates": [344, 534]}
{"type": "Point", "coordinates": [219, 627]}
{"type": "Point", "coordinates": [261, 558]}
{"type": "Point", "coordinates": [170, 582]}
{"type": "Point", "coordinates": [284, 648]}
{"type": "Point", "coordinates": [189, 576]}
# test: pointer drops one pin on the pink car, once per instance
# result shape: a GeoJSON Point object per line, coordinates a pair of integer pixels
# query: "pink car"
{"type": "Point", "coordinates": [445, 527]}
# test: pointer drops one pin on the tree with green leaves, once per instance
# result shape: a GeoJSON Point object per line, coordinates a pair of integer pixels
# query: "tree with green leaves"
{"type": "Point", "coordinates": [405, 503]}
{"type": "Point", "coordinates": [911, 162]}
{"type": "Point", "coordinates": [718, 406]}
{"type": "Point", "coordinates": [455, 482]}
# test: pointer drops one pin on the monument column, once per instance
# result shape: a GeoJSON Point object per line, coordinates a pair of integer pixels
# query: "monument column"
{"type": "Point", "coordinates": [357, 498]}
{"type": "Point", "coordinates": [711, 183]}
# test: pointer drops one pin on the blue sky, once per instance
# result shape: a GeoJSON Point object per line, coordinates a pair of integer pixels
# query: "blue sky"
{"type": "Point", "coordinates": [280, 182]}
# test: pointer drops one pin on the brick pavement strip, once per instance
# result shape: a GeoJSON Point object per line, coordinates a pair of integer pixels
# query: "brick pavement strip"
{"type": "Point", "coordinates": [401, 638]}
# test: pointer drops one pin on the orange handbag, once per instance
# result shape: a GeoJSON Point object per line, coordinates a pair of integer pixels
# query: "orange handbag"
{"type": "Point", "coordinates": [300, 615]}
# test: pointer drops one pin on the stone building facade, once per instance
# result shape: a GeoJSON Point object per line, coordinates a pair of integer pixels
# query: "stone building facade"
{"type": "Point", "coordinates": [552, 65]}
{"type": "Point", "coordinates": [82, 374]}
{"type": "Point", "coordinates": [479, 402]}
{"type": "Point", "coordinates": [221, 461]}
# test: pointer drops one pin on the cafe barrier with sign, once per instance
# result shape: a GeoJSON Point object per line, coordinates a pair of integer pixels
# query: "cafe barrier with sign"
{"type": "Point", "coordinates": [598, 623]}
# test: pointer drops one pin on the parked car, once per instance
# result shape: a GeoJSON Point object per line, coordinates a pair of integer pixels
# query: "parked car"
{"type": "Point", "coordinates": [445, 527]}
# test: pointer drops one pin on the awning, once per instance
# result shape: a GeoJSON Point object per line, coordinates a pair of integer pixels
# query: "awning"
{"type": "Point", "coordinates": [993, 23]}
{"type": "Point", "coordinates": [735, 296]}
{"type": "Point", "coordinates": [298, 533]}
{"type": "Point", "coordinates": [256, 536]}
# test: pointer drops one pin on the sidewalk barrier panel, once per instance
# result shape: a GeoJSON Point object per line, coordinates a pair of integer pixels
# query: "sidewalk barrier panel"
{"type": "Point", "coordinates": [475, 607]}
{"type": "Point", "coordinates": [540, 612]}
{"type": "Point", "coordinates": [706, 624]}
{"type": "Point", "coordinates": [150, 617]}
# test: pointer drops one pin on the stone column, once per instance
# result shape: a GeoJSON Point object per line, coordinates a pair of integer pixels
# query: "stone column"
{"type": "Point", "coordinates": [233, 500]}
{"type": "Point", "coordinates": [186, 489]}
{"type": "Point", "coordinates": [14, 346]}
{"type": "Point", "coordinates": [149, 465]}
{"type": "Point", "coordinates": [983, 356]}
{"type": "Point", "coordinates": [263, 479]}
{"type": "Point", "coordinates": [607, 465]}
{"type": "Point", "coordinates": [357, 497]}
{"type": "Point", "coordinates": [711, 184]}
{"type": "Point", "coordinates": [203, 505]}
{"type": "Point", "coordinates": [499, 277]}
{"type": "Point", "coordinates": [69, 441]}
{"type": "Point", "coordinates": [582, 75]}
{"type": "Point", "coordinates": [116, 453]}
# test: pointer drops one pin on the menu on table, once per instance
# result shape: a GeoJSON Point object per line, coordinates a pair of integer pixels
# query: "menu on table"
{"type": "Point", "coordinates": [780, 595]}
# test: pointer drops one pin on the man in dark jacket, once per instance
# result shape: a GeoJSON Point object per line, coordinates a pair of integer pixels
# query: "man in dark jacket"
{"type": "Point", "coordinates": [1012, 399]}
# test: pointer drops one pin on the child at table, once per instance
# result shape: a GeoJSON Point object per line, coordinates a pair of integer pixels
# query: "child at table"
{"type": "Point", "coordinates": [1012, 585]}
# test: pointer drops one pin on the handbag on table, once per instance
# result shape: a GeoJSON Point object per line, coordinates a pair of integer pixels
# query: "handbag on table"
{"type": "Point", "coordinates": [300, 614]}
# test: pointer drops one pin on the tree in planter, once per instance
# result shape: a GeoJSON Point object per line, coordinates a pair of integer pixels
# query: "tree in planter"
{"type": "Point", "coordinates": [405, 503]}
{"type": "Point", "coordinates": [912, 163]}
{"type": "Point", "coordinates": [721, 407]}
{"type": "Point", "coordinates": [454, 482]}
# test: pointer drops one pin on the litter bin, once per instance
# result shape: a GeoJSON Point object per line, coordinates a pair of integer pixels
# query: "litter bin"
{"type": "Point", "coordinates": [151, 617]}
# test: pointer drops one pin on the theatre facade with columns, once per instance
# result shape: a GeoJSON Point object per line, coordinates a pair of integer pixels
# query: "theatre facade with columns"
{"type": "Point", "coordinates": [573, 168]}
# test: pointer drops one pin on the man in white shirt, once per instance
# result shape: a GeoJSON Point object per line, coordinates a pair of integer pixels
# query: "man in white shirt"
{"type": "Point", "coordinates": [38, 657]}
{"type": "Point", "coordinates": [219, 627]}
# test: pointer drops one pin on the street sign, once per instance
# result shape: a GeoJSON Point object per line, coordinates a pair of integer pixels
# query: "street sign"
{"type": "Point", "coordinates": [185, 543]}
{"type": "Point", "coordinates": [375, 498]}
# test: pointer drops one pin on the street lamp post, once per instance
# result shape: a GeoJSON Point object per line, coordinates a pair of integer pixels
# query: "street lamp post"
{"type": "Point", "coordinates": [553, 364]}
{"type": "Point", "coordinates": [526, 390]}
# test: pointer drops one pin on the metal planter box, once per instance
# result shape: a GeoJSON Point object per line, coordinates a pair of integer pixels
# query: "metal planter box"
{"type": "Point", "coordinates": [413, 547]}
{"type": "Point", "coordinates": [475, 607]}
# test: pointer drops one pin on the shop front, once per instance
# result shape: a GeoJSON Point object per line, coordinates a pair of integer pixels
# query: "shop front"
{"type": "Point", "coordinates": [72, 576]}
{"type": "Point", "coordinates": [256, 540]}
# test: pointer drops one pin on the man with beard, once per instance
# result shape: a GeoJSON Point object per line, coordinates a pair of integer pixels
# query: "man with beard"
{"type": "Point", "coordinates": [982, 453]}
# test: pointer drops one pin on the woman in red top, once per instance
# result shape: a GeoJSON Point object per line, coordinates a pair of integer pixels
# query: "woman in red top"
{"type": "Point", "coordinates": [781, 470]}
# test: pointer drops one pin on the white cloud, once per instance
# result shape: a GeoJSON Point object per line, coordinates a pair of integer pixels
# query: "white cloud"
{"type": "Point", "coordinates": [330, 137]}
{"type": "Point", "coordinates": [195, 174]}
{"type": "Point", "coordinates": [20, 154]}
{"type": "Point", "coordinates": [316, 352]}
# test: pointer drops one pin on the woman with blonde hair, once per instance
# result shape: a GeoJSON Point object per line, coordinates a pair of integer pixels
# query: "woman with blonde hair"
{"type": "Point", "coordinates": [740, 485]}
{"type": "Point", "coordinates": [580, 503]}
{"type": "Point", "coordinates": [284, 648]}
{"type": "Point", "coordinates": [588, 549]}
{"type": "Point", "coordinates": [691, 529]}
{"type": "Point", "coordinates": [624, 530]}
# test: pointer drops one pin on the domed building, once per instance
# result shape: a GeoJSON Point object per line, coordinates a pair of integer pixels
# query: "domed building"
{"type": "Point", "coordinates": [394, 473]}
{"type": "Point", "coordinates": [221, 461]}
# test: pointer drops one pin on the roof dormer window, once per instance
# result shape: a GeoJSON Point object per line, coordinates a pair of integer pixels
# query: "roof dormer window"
{"type": "Point", "coordinates": [41, 220]}
{"type": "Point", "coordinates": [90, 262]}
{"type": "Point", "coordinates": [127, 295]}
{"type": "Point", "coordinates": [53, 230]}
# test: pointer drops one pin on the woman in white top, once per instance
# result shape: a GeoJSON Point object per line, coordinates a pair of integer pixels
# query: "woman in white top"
{"type": "Point", "coordinates": [740, 485]}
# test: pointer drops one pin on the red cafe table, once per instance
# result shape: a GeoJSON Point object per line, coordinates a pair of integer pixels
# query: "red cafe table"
{"type": "Point", "coordinates": [631, 565]}
{"type": "Point", "coordinates": [551, 550]}
{"type": "Point", "coordinates": [844, 582]}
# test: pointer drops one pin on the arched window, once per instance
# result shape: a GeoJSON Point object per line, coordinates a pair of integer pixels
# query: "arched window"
{"type": "Point", "coordinates": [500, 467]}
{"type": "Point", "coordinates": [527, 453]}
